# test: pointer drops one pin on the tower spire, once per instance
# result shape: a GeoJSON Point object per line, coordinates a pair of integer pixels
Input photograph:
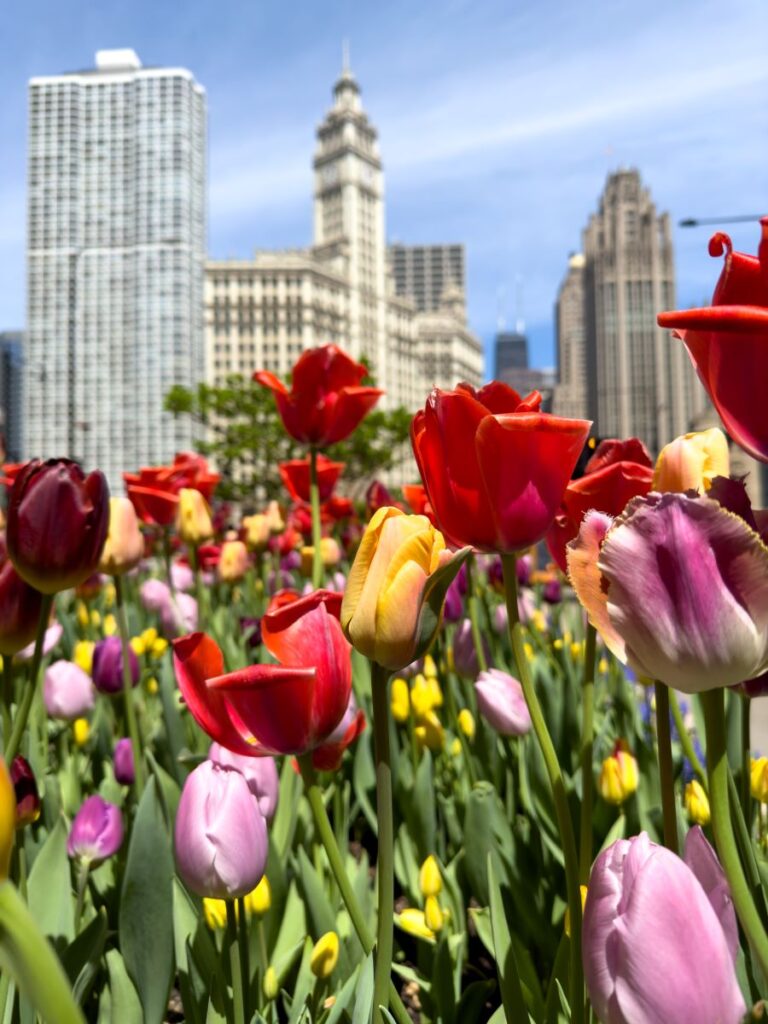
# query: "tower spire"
{"type": "Point", "coordinates": [345, 56]}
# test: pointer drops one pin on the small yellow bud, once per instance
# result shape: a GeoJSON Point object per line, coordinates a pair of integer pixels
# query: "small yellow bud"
{"type": "Point", "coordinates": [149, 636]}
{"type": "Point", "coordinates": [83, 616]}
{"type": "Point", "coordinates": [467, 723]}
{"type": "Point", "coordinates": [400, 701]}
{"type": "Point", "coordinates": [7, 819]}
{"type": "Point", "coordinates": [576, 649]}
{"type": "Point", "coordinates": [758, 777]}
{"type": "Point", "coordinates": [539, 620]}
{"type": "Point", "coordinates": [557, 644]}
{"type": "Point", "coordinates": [455, 747]}
{"type": "Point", "coordinates": [602, 666]}
{"type": "Point", "coordinates": [159, 647]}
{"type": "Point", "coordinates": [325, 955]}
{"type": "Point", "coordinates": [430, 879]}
{"type": "Point", "coordinates": [152, 686]}
{"type": "Point", "coordinates": [271, 984]}
{"type": "Point", "coordinates": [529, 651]}
{"type": "Point", "coordinates": [194, 517]}
{"type": "Point", "coordinates": [424, 698]}
{"type": "Point", "coordinates": [215, 912]}
{"type": "Point", "coordinates": [619, 776]}
{"type": "Point", "coordinates": [430, 668]}
{"type": "Point", "coordinates": [567, 637]}
{"type": "Point", "coordinates": [83, 655]}
{"type": "Point", "coordinates": [429, 732]}
{"type": "Point", "coordinates": [95, 619]}
{"type": "Point", "coordinates": [413, 921]}
{"type": "Point", "coordinates": [433, 915]}
{"type": "Point", "coordinates": [697, 803]}
{"type": "Point", "coordinates": [567, 921]}
{"type": "Point", "coordinates": [109, 595]}
{"type": "Point", "coordinates": [137, 645]}
{"type": "Point", "coordinates": [110, 625]}
{"type": "Point", "coordinates": [81, 731]}
{"type": "Point", "coordinates": [259, 900]}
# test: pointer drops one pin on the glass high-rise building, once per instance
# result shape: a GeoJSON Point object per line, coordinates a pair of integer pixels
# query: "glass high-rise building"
{"type": "Point", "coordinates": [115, 260]}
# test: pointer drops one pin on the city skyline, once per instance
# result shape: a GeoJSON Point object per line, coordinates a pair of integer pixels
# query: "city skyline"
{"type": "Point", "coordinates": [497, 128]}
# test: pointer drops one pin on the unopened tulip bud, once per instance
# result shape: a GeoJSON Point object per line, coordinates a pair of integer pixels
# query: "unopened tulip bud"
{"type": "Point", "coordinates": [388, 585]}
{"type": "Point", "coordinates": [501, 702]}
{"type": "Point", "coordinates": [123, 762]}
{"type": "Point", "coordinates": [108, 665]}
{"type": "Point", "coordinates": [68, 692]}
{"type": "Point", "coordinates": [259, 900]}
{"type": "Point", "coordinates": [271, 984]}
{"type": "Point", "coordinates": [233, 561]}
{"type": "Point", "coordinates": [96, 832]}
{"type": "Point", "coordinates": [57, 524]}
{"type": "Point", "coordinates": [412, 920]}
{"type": "Point", "coordinates": [758, 778]}
{"type": "Point", "coordinates": [7, 819]}
{"type": "Point", "coordinates": [466, 722]}
{"type": "Point", "coordinates": [260, 773]}
{"type": "Point", "coordinates": [697, 803]}
{"type": "Point", "coordinates": [215, 912]}
{"type": "Point", "coordinates": [400, 700]}
{"type": "Point", "coordinates": [194, 517]}
{"type": "Point", "coordinates": [220, 836]}
{"type": "Point", "coordinates": [433, 915]}
{"type": "Point", "coordinates": [124, 548]}
{"type": "Point", "coordinates": [618, 777]}
{"type": "Point", "coordinates": [325, 955]}
{"type": "Point", "coordinates": [256, 532]}
{"type": "Point", "coordinates": [430, 879]}
{"type": "Point", "coordinates": [429, 732]}
{"type": "Point", "coordinates": [25, 788]}
{"type": "Point", "coordinates": [691, 462]}
{"type": "Point", "coordinates": [81, 730]}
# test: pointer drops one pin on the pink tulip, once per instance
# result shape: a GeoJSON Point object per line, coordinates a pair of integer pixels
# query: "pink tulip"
{"type": "Point", "coordinates": [260, 773]}
{"type": "Point", "coordinates": [501, 703]}
{"type": "Point", "coordinates": [220, 836]}
{"type": "Point", "coordinates": [654, 949]}
{"type": "Point", "coordinates": [68, 692]}
{"type": "Point", "coordinates": [703, 862]}
{"type": "Point", "coordinates": [53, 634]}
{"type": "Point", "coordinates": [96, 832]}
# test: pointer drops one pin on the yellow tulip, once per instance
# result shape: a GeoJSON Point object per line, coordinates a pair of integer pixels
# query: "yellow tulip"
{"type": "Point", "coordinates": [259, 900]}
{"type": "Point", "coordinates": [152, 686]}
{"type": "Point", "coordinates": [159, 647]}
{"type": "Point", "coordinates": [124, 547]}
{"type": "Point", "coordinates": [466, 722]}
{"type": "Point", "coordinates": [412, 920]}
{"type": "Point", "coordinates": [387, 586]}
{"type": "Point", "coordinates": [275, 517]}
{"type": "Point", "coordinates": [271, 984]}
{"type": "Point", "coordinates": [325, 955]}
{"type": "Point", "coordinates": [95, 618]}
{"type": "Point", "coordinates": [455, 748]}
{"type": "Point", "coordinates": [7, 819]}
{"type": "Point", "coordinates": [697, 803]}
{"type": "Point", "coordinates": [430, 879]}
{"type": "Point", "coordinates": [257, 532]}
{"type": "Point", "coordinates": [137, 645]}
{"type": "Point", "coordinates": [619, 776]}
{"type": "Point", "coordinates": [429, 732]}
{"type": "Point", "coordinates": [83, 615]}
{"type": "Point", "coordinates": [233, 561]}
{"type": "Point", "coordinates": [400, 700]}
{"type": "Point", "coordinates": [194, 517]}
{"type": "Point", "coordinates": [430, 668]}
{"type": "Point", "coordinates": [692, 461]}
{"type": "Point", "coordinates": [758, 777]}
{"type": "Point", "coordinates": [110, 625]}
{"type": "Point", "coordinates": [83, 655]}
{"type": "Point", "coordinates": [433, 915]}
{"type": "Point", "coordinates": [426, 695]}
{"type": "Point", "coordinates": [330, 555]}
{"type": "Point", "coordinates": [81, 731]}
{"type": "Point", "coordinates": [215, 912]}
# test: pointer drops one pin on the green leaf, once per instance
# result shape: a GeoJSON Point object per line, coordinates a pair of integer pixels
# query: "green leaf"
{"type": "Point", "coordinates": [126, 1007]}
{"type": "Point", "coordinates": [433, 600]}
{"type": "Point", "coordinates": [504, 954]}
{"type": "Point", "coordinates": [443, 994]}
{"type": "Point", "coordinates": [49, 889]}
{"type": "Point", "coordinates": [81, 959]}
{"type": "Point", "coordinates": [364, 998]}
{"type": "Point", "coordinates": [146, 907]}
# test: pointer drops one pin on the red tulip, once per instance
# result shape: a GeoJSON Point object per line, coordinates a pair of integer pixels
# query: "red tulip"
{"type": "Point", "coordinates": [296, 477]}
{"type": "Point", "coordinates": [728, 342]}
{"type": "Point", "coordinates": [336, 508]}
{"type": "Point", "coordinates": [19, 607]}
{"type": "Point", "coordinates": [154, 490]}
{"type": "Point", "coordinates": [494, 467]}
{"type": "Point", "coordinates": [618, 471]}
{"type": "Point", "coordinates": [288, 708]}
{"type": "Point", "coordinates": [58, 520]}
{"type": "Point", "coordinates": [326, 401]}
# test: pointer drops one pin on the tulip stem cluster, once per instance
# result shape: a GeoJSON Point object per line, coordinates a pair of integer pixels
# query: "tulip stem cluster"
{"type": "Point", "coordinates": [130, 708]}
{"type": "Point", "coordinates": [562, 811]}
{"type": "Point", "coordinates": [322, 824]}
{"type": "Point", "coordinates": [725, 841]}
{"type": "Point", "coordinates": [29, 691]}
{"type": "Point", "coordinates": [587, 741]}
{"type": "Point", "coordinates": [666, 770]}
{"type": "Point", "coordinates": [314, 501]}
{"type": "Point", "coordinates": [385, 872]}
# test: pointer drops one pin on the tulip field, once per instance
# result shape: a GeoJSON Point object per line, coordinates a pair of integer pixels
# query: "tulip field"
{"type": "Point", "coordinates": [474, 749]}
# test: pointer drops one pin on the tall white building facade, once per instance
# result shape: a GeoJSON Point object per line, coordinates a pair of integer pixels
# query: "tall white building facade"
{"type": "Point", "coordinates": [115, 261]}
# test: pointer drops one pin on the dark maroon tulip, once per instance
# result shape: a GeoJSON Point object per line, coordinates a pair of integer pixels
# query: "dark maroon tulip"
{"type": "Point", "coordinates": [19, 607]}
{"type": "Point", "coordinates": [58, 520]}
{"type": "Point", "coordinates": [25, 788]}
{"type": "Point", "coordinates": [107, 668]}
{"type": "Point", "coordinates": [123, 762]}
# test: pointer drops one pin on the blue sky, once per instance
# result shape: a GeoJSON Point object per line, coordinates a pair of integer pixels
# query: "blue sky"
{"type": "Point", "coordinates": [498, 121]}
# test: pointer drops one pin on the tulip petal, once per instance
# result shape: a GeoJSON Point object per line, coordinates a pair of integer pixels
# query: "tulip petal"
{"type": "Point", "coordinates": [686, 590]}
{"type": "Point", "coordinates": [586, 579]}
{"type": "Point", "coordinates": [703, 862]}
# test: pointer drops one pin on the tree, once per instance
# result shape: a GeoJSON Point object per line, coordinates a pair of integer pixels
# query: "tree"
{"type": "Point", "coordinates": [243, 434]}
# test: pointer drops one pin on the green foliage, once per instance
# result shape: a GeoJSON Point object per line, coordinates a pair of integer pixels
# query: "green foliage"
{"type": "Point", "coordinates": [242, 432]}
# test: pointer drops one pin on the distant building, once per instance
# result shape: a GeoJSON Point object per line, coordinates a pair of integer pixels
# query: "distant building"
{"type": "Point", "coordinates": [11, 377]}
{"type": "Point", "coordinates": [115, 256]}
{"type": "Point", "coordinates": [263, 312]}
{"type": "Point", "coordinates": [638, 381]}
{"type": "Point", "coordinates": [423, 273]}
{"type": "Point", "coordinates": [510, 353]}
{"type": "Point", "coordinates": [570, 397]}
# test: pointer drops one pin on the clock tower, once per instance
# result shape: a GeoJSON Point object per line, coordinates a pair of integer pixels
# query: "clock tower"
{"type": "Point", "coordinates": [349, 216]}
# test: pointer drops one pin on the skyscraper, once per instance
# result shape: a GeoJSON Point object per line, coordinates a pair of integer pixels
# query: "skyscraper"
{"type": "Point", "coordinates": [571, 389]}
{"type": "Point", "coordinates": [423, 273]}
{"type": "Point", "coordinates": [637, 379]}
{"type": "Point", "coordinates": [11, 370]}
{"type": "Point", "coordinates": [115, 258]}
{"type": "Point", "coordinates": [510, 353]}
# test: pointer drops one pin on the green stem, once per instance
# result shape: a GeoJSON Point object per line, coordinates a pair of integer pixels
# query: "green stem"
{"type": "Point", "coordinates": [666, 771]}
{"type": "Point", "coordinates": [236, 966]}
{"type": "Point", "coordinates": [562, 811]}
{"type": "Point", "coordinates": [167, 558]}
{"type": "Point", "coordinates": [385, 873]}
{"type": "Point", "coordinates": [587, 740]}
{"type": "Point", "coordinates": [314, 501]}
{"type": "Point", "coordinates": [29, 691]}
{"type": "Point", "coordinates": [359, 923]}
{"type": "Point", "coordinates": [746, 744]}
{"type": "Point", "coordinates": [244, 945]}
{"type": "Point", "coordinates": [82, 883]}
{"type": "Point", "coordinates": [130, 707]}
{"type": "Point", "coordinates": [474, 618]}
{"type": "Point", "coordinates": [685, 740]}
{"type": "Point", "coordinates": [7, 696]}
{"type": "Point", "coordinates": [717, 764]}
{"type": "Point", "coordinates": [747, 851]}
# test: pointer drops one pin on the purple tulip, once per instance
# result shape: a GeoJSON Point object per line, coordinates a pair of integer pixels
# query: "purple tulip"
{"type": "Point", "coordinates": [464, 653]}
{"type": "Point", "coordinates": [178, 615]}
{"type": "Point", "coordinates": [67, 691]}
{"type": "Point", "coordinates": [453, 607]}
{"type": "Point", "coordinates": [220, 836]}
{"type": "Point", "coordinates": [290, 562]}
{"type": "Point", "coordinates": [501, 703]}
{"type": "Point", "coordinates": [251, 625]}
{"type": "Point", "coordinates": [260, 774]}
{"type": "Point", "coordinates": [96, 832]}
{"type": "Point", "coordinates": [552, 591]}
{"type": "Point", "coordinates": [653, 947]}
{"type": "Point", "coordinates": [182, 576]}
{"type": "Point", "coordinates": [154, 594]}
{"type": "Point", "coordinates": [703, 862]}
{"type": "Point", "coordinates": [107, 665]}
{"type": "Point", "coordinates": [524, 567]}
{"type": "Point", "coordinates": [123, 762]}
